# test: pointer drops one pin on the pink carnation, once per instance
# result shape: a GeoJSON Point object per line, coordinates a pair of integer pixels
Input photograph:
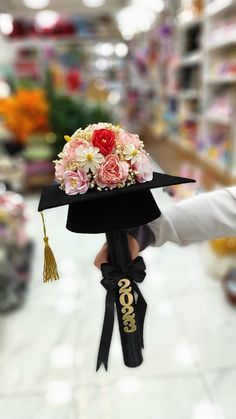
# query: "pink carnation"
{"type": "Point", "coordinates": [124, 137]}
{"type": "Point", "coordinates": [75, 182]}
{"type": "Point", "coordinates": [112, 172]}
{"type": "Point", "coordinates": [143, 168]}
{"type": "Point", "coordinates": [60, 167]}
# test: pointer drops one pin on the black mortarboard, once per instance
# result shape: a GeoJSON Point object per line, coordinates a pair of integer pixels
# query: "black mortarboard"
{"type": "Point", "coordinates": [111, 210]}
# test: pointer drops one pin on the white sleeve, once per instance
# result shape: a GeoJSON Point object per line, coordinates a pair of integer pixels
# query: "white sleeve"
{"type": "Point", "coordinates": [203, 217]}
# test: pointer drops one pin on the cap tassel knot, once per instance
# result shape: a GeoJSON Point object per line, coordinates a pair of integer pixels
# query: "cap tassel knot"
{"type": "Point", "coordinates": [50, 272]}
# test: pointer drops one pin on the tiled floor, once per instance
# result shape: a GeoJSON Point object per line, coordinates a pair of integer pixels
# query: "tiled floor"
{"type": "Point", "coordinates": [48, 349]}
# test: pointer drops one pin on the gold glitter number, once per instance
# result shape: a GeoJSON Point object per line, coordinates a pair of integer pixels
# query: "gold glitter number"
{"type": "Point", "coordinates": [126, 300]}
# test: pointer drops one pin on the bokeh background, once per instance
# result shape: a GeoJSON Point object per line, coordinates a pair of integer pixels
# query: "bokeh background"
{"type": "Point", "coordinates": [165, 69]}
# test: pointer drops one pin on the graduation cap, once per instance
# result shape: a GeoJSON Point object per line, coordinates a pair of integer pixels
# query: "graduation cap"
{"type": "Point", "coordinates": [105, 211]}
{"type": "Point", "coordinates": [109, 210]}
{"type": "Point", "coordinates": [112, 210]}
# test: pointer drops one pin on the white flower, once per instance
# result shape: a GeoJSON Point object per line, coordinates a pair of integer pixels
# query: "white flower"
{"type": "Point", "coordinates": [99, 125]}
{"type": "Point", "coordinates": [131, 153]}
{"type": "Point", "coordinates": [89, 158]}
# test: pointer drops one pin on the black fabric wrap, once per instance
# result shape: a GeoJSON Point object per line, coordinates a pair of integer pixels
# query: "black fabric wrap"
{"type": "Point", "coordinates": [135, 272]}
{"type": "Point", "coordinates": [144, 236]}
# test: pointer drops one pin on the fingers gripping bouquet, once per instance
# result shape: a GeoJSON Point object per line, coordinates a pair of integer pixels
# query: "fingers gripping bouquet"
{"type": "Point", "coordinates": [106, 166]}
{"type": "Point", "coordinates": [102, 157]}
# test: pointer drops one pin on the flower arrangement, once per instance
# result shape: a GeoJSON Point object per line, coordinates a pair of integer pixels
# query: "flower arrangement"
{"type": "Point", "coordinates": [12, 219]}
{"type": "Point", "coordinates": [25, 113]}
{"type": "Point", "coordinates": [102, 157]}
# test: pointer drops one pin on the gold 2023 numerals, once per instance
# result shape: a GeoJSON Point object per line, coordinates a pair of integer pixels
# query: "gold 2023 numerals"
{"type": "Point", "coordinates": [126, 300]}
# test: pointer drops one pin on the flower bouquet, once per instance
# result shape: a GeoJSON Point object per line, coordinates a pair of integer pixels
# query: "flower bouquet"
{"type": "Point", "coordinates": [105, 166]}
{"type": "Point", "coordinates": [102, 157]}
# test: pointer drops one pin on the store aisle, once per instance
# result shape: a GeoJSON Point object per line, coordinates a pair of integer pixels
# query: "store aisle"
{"type": "Point", "coordinates": [48, 349]}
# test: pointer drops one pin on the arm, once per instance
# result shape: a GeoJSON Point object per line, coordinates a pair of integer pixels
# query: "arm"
{"type": "Point", "coordinates": [203, 217]}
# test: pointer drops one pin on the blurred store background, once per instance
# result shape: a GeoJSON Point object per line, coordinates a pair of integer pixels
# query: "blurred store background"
{"type": "Point", "coordinates": [167, 70]}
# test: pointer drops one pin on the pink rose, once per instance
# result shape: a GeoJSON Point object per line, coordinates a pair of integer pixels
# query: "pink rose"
{"type": "Point", "coordinates": [124, 137]}
{"type": "Point", "coordinates": [70, 148]}
{"type": "Point", "coordinates": [143, 168]}
{"type": "Point", "coordinates": [75, 182]}
{"type": "Point", "coordinates": [112, 172]}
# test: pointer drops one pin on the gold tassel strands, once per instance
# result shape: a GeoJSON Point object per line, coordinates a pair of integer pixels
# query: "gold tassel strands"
{"type": "Point", "coordinates": [50, 272]}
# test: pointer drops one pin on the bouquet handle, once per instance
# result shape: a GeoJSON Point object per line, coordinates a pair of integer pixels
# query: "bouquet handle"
{"type": "Point", "coordinates": [130, 333]}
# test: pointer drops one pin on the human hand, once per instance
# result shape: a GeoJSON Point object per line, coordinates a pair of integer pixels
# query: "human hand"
{"type": "Point", "coordinates": [102, 256]}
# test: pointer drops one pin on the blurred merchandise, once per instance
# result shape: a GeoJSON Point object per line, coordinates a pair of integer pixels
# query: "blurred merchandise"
{"type": "Point", "coordinates": [224, 246]}
{"type": "Point", "coordinates": [25, 112]}
{"type": "Point", "coordinates": [38, 154]}
{"type": "Point", "coordinates": [222, 32]}
{"type": "Point", "coordinates": [12, 171]}
{"type": "Point", "coordinates": [15, 251]}
{"type": "Point", "coordinates": [189, 9]}
{"type": "Point", "coordinates": [221, 107]}
{"type": "Point", "coordinates": [220, 260]}
{"type": "Point", "coordinates": [189, 131]}
{"type": "Point", "coordinates": [229, 286]}
{"type": "Point", "coordinates": [73, 113]}
{"type": "Point", "coordinates": [218, 145]}
{"type": "Point", "coordinates": [39, 147]}
{"type": "Point", "coordinates": [224, 66]}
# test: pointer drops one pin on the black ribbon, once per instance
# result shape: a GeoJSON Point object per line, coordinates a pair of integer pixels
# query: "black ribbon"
{"type": "Point", "coordinates": [135, 272]}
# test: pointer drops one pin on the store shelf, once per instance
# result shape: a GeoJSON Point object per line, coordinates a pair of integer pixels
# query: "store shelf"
{"type": "Point", "coordinates": [192, 156]}
{"type": "Point", "coordinates": [218, 7]}
{"type": "Point", "coordinates": [203, 46]}
{"type": "Point", "coordinates": [191, 59]}
{"type": "Point", "coordinates": [217, 119]}
{"type": "Point", "coordinates": [193, 116]}
{"type": "Point", "coordinates": [188, 94]}
{"type": "Point", "coordinates": [223, 43]}
{"type": "Point", "coordinates": [62, 40]}
{"type": "Point", "coordinates": [220, 80]}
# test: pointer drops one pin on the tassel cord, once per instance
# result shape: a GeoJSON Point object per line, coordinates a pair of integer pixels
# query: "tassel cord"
{"type": "Point", "coordinates": [50, 271]}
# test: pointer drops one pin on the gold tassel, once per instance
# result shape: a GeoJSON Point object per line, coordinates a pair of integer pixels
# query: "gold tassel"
{"type": "Point", "coordinates": [50, 271]}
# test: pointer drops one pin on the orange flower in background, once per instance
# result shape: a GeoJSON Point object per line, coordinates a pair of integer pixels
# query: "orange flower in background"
{"type": "Point", "coordinates": [25, 113]}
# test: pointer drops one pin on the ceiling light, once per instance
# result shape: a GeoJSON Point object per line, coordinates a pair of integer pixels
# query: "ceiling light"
{"type": "Point", "coordinates": [94, 3]}
{"type": "Point", "coordinates": [185, 16]}
{"type": "Point", "coordinates": [127, 36]}
{"type": "Point", "coordinates": [100, 84]}
{"type": "Point", "coordinates": [121, 49]}
{"type": "Point", "coordinates": [113, 97]}
{"type": "Point", "coordinates": [46, 19]}
{"type": "Point", "coordinates": [101, 64]}
{"type": "Point", "coordinates": [36, 4]}
{"type": "Point", "coordinates": [134, 19]}
{"type": "Point", "coordinates": [6, 23]}
{"type": "Point", "coordinates": [104, 48]}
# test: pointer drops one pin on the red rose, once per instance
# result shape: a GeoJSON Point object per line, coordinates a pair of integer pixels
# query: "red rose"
{"type": "Point", "coordinates": [104, 139]}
